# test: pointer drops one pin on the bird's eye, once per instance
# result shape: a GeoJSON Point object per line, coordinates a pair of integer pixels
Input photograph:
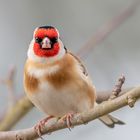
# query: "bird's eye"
{"type": "Point", "coordinates": [38, 40]}
{"type": "Point", "coordinates": [54, 40]}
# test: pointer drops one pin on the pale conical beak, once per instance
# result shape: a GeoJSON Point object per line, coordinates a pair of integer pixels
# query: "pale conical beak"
{"type": "Point", "coordinates": [46, 44]}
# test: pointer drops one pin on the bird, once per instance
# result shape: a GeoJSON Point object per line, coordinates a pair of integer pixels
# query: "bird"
{"type": "Point", "coordinates": [56, 81]}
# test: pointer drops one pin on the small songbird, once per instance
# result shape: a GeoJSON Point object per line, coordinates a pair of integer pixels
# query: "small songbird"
{"type": "Point", "coordinates": [56, 81]}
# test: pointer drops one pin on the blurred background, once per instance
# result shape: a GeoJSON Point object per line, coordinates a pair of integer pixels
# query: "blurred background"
{"type": "Point", "coordinates": [77, 21]}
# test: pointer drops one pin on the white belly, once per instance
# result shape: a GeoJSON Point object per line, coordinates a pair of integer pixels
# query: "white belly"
{"type": "Point", "coordinates": [59, 102]}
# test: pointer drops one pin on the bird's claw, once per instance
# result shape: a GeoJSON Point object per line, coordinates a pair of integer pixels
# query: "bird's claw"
{"type": "Point", "coordinates": [68, 119]}
{"type": "Point", "coordinates": [38, 127]}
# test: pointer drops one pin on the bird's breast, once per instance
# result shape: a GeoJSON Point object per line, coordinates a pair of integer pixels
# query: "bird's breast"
{"type": "Point", "coordinates": [60, 88]}
{"type": "Point", "coordinates": [58, 102]}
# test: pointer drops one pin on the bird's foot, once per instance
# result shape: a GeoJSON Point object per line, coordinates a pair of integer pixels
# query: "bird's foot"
{"type": "Point", "coordinates": [68, 118]}
{"type": "Point", "coordinates": [41, 124]}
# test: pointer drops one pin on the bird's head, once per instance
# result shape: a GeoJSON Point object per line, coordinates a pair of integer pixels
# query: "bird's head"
{"type": "Point", "coordinates": [46, 45]}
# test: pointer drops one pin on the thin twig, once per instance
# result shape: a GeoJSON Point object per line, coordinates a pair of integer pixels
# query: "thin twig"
{"type": "Point", "coordinates": [10, 86]}
{"type": "Point", "coordinates": [118, 87]}
{"type": "Point", "coordinates": [9, 83]}
{"type": "Point", "coordinates": [105, 95]}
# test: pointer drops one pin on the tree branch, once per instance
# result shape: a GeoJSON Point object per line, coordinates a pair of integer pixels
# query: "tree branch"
{"type": "Point", "coordinates": [19, 109]}
{"type": "Point", "coordinates": [105, 95]}
{"type": "Point", "coordinates": [23, 106]}
{"type": "Point", "coordinates": [102, 109]}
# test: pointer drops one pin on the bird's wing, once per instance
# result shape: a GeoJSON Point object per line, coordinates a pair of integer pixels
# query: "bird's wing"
{"type": "Point", "coordinates": [80, 63]}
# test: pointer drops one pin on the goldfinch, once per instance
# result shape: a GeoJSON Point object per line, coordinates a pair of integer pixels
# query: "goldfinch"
{"type": "Point", "coordinates": [56, 81]}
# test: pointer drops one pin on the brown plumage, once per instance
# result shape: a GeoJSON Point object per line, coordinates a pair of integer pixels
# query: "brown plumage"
{"type": "Point", "coordinates": [58, 83]}
{"type": "Point", "coordinates": [30, 83]}
{"type": "Point", "coordinates": [66, 77]}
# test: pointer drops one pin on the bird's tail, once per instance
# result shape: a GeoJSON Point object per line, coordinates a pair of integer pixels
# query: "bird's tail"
{"type": "Point", "coordinates": [109, 120]}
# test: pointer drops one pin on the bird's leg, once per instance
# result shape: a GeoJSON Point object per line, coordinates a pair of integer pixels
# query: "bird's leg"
{"type": "Point", "coordinates": [42, 124]}
{"type": "Point", "coordinates": [68, 118]}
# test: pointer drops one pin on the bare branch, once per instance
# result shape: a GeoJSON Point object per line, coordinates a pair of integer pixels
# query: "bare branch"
{"type": "Point", "coordinates": [13, 115]}
{"type": "Point", "coordinates": [100, 110]}
{"type": "Point", "coordinates": [118, 87]}
{"type": "Point", "coordinates": [23, 106]}
{"type": "Point", "coordinates": [105, 95]}
{"type": "Point", "coordinates": [9, 83]}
